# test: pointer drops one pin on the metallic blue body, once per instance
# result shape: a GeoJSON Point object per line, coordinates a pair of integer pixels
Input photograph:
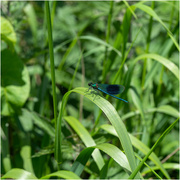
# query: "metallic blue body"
{"type": "Point", "coordinates": [109, 89]}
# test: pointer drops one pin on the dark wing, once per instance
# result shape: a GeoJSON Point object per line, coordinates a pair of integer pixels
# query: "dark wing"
{"type": "Point", "coordinates": [111, 89]}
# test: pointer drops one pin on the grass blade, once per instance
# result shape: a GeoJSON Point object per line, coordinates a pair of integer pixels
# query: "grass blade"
{"type": "Point", "coordinates": [62, 174]}
{"type": "Point", "coordinates": [86, 138]}
{"type": "Point", "coordinates": [113, 117]}
{"type": "Point", "coordinates": [152, 13]}
{"type": "Point", "coordinates": [109, 149]}
{"type": "Point", "coordinates": [140, 146]}
{"type": "Point", "coordinates": [18, 174]}
{"type": "Point", "coordinates": [152, 149]}
{"type": "Point", "coordinates": [167, 63]}
{"type": "Point", "coordinates": [95, 39]}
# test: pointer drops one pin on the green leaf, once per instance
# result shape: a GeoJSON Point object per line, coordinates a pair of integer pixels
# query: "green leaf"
{"type": "Point", "coordinates": [113, 117]}
{"type": "Point", "coordinates": [15, 82]}
{"type": "Point", "coordinates": [140, 146]}
{"type": "Point", "coordinates": [7, 32]}
{"type": "Point", "coordinates": [62, 174]}
{"type": "Point", "coordinates": [167, 63]}
{"type": "Point", "coordinates": [18, 174]}
{"type": "Point", "coordinates": [86, 138]}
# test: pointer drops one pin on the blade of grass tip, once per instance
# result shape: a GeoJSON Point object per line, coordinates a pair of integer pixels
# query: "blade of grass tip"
{"type": "Point", "coordinates": [152, 149]}
{"type": "Point", "coordinates": [53, 11]}
{"type": "Point", "coordinates": [52, 67]}
{"type": "Point", "coordinates": [130, 8]}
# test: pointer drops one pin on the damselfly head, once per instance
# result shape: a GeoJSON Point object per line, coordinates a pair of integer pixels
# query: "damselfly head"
{"type": "Point", "coordinates": [90, 83]}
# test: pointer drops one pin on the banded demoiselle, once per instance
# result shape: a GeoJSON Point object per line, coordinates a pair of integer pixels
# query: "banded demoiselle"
{"type": "Point", "coordinates": [109, 89]}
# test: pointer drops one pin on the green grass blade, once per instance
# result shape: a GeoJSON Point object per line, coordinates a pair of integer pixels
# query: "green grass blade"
{"type": "Point", "coordinates": [166, 109]}
{"type": "Point", "coordinates": [86, 138]}
{"type": "Point", "coordinates": [18, 174]}
{"type": "Point", "coordinates": [113, 117]}
{"type": "Point", "coordinates": [167, 63]}
{"type": "Point", "coordinates": [147, 46]}
{"type": "Point", "coordinates": [116, 154]}
{"type": "Point", "coordinates": [62, 174]}
{"type": "Point", "coordinates": [95, 39]}
{"type": "Point", "coordinates": [152, 13]}
{"type": "Point", "coordinates": [43, 124]}
{"type": "Point", "coordinates": [150, 169]}
{"type": "Point", "coordinates": [71, 46]}
{"type": "Point", "coordinates": [138, 104]}
{"type": "Point", "coordinates": [109, 149]}
{"type": "Point", "coordinates": [152, 149]}
{"type": "Point", "coordinates": [51, 58]}
{"type": "Point", "coordinates": [140, 146]}
{"type": "Point", "coordinates": [108, 36]}
{"type": "Point", "coordinates": [165, 165]}
{"type": "Point", "coordinates": [80, 162]}
{"type": "Point", "coordinates": [130, 8]}
{"type": "Point", "coordinates": [74, 75]}
{"type": "Point", "coordinates": [73, 43]}
{"type": "Point", "coordinates": [125, 58]}
{"type": "Point", "coordinates": [153, 157]}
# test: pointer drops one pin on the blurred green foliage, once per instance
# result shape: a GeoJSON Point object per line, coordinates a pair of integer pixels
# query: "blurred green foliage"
{"type": "Point", "coordinates": [131, 43]}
